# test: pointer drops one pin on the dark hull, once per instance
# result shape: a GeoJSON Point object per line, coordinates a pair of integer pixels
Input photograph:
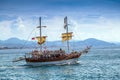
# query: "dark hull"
{"type": "Point", "coordinates": [52, 56]}
{"type": "Point", "coordinates": [56, 58]}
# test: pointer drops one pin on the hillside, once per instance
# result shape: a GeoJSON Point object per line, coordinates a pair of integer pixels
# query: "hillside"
{"type": "Point", "coordinates": [17, 43]}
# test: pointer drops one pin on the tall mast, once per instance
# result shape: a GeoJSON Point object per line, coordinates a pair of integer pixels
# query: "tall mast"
{"type": "Point", "coordinates": [67, 34]}
{"type": "Point", "coordinates": [40, 35]}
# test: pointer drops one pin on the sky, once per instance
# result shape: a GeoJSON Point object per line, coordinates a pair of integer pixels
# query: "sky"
{"type": "Point", "coordinates": [98, 19]}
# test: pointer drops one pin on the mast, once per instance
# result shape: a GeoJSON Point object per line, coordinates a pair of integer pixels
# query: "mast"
{"type": "Point", "coordinates": [40, 35]}
{"type": "Point", "coordinates": [67, 34]}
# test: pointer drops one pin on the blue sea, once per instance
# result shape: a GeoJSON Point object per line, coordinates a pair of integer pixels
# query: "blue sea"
{"type": "Point", "coordinates": [98, 64]}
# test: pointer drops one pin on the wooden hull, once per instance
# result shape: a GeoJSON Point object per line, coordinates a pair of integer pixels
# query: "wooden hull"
{"type": "Point", "coordinates": [57, 58]}
{"type": "Point", "coordinates": [62, 62]}
{"type": "Point", "coordinates": [66, 59]}
{"type": "Point", "coordinates": [54, 59]}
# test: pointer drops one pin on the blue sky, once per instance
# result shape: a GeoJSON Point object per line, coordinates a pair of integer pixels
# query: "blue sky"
{"type": "Point", "coordinates": [87, 18]}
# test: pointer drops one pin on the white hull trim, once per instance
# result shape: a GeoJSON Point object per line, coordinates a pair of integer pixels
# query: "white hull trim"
{"type": "Point", "coordinates": [62, 62]}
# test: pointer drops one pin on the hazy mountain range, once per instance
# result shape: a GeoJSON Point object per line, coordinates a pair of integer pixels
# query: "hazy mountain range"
{"type": "Point", "coordinates": [17, 43]}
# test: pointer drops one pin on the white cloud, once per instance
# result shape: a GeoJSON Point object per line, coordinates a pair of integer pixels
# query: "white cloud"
{"type": "Point", "coordinates": [100, 27]}
{"type": "Point", "coordinates": [16, 28]}
{"type": "Point", "coordinates": [54, 28]}
{"type": "Point", "coordinates": [5, 30]}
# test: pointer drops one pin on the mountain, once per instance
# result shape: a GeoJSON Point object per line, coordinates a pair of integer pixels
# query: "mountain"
{"type": "Point", "coordinates": [117, 43]}
{"type": "Point", "coordinates": [15, 42]}
{"type": "Point", "coordinates": [95, 42]}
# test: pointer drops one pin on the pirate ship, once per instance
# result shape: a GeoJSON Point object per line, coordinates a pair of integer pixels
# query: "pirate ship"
{"type": "Point", "coordinates": [53, 57]}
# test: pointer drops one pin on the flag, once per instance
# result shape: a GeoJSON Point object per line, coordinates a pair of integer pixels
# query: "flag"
{"type": "Point", "coordinates": [65, 22]}
{"type": "Point", "coordinates": [33, 38]}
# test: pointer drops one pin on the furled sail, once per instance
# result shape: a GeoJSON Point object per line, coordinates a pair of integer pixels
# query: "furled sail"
{"type": "Point", "coordinates": [41, 40]}
{"type": "Point", "coordinates": [66, 36]}
{"type": "Point", "coordinates": [65, 22]}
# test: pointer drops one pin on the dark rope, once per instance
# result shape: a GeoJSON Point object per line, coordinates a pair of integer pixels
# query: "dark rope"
{"type": "Point", "coordinates": [26, 41]}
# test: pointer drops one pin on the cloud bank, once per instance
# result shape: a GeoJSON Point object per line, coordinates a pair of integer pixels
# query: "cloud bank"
{"type": "Point", "coordinates": [98, 27]}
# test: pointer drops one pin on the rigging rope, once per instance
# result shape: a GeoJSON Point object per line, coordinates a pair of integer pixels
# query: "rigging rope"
{"type": "Point", "coordinates": [26, 41]}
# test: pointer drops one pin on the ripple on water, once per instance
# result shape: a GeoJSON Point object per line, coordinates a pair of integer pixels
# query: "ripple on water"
{"type": "Point", "coordinates": [99, 64]}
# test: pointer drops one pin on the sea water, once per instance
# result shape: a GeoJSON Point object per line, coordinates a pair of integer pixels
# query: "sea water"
{"type": "Point", "coordinates": [98, 64]}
